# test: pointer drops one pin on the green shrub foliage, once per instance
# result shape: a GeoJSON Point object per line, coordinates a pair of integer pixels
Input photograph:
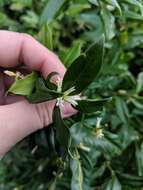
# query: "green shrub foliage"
{"type": "Point", "coordinates": [94, 162]}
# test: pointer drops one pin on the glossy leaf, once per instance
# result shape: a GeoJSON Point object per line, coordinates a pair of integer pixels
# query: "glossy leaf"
{"type": "Point", "coordinates": [42, 93]}
{"type": "Point", "coordinates": [85, 68]}
{"type": "Point", "coordinates": [62, 132]}
{"type": "Point", "coordinates": [91, 105]}
{"type": "Point", "coordinates": [24, 86]}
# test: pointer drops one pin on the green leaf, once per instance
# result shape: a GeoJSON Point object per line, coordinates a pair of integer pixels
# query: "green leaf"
{"type": "Point", "coordinates": [75, 9]}
{"type": "Point", "coordinates": [77, 175]}
{"type": "Point", "coordinates": [109, 22]}
{"type": "Point", "coordinates": [130, 180]}
{"type": "Point", "coordinates": [132, 15]}
{"type": "Point", "coordinates": [85, 68]}
{"type": "Point", "coordinates": [94, 2]}
{"type": "Point", "coordinates": [115, 4]}
{"type": "Point", "coordinates": [91, 105]}
{"type": "Point", "coordinates": [113, 184]}
{"type": "Point", "coordinates": [72, 54]}
{"type": "Point", "coordinates": [122, 109]}
{"type": "Point", "coordinates": [62, 131]}
{"type": "Point", "coordinates": [24, 86]}
{"type": "Point", "coordinates": [108, 145]}
{"type": "Point", "coordinates": [139, 158]}
{"type": "Point", "coordinates": [46, 36]}
{"type": "Point", "coordinates": [139, 87]}
{"type": "Point", "coordinates": [51, 10]}
{"type": "Point", "coordinates": [42, 93]}
{"type": "Point", "coordinates": [135, 3]}
{"type": "Point", "coordinates": [98, 172]}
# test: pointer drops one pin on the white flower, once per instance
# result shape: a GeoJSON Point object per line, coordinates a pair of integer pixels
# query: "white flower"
{"type": "Point", "coordinates": [72, 99]}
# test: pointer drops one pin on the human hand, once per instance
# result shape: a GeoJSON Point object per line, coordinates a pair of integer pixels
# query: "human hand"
{"type": "Point", "coordinates": [18, 118]}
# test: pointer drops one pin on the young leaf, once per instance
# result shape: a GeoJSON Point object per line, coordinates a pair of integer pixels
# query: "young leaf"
{"type": "Point", "coordinates": [24, 86]}
{"type": "Point", "coordinates": [85, 68]}
{"type": "Point", "coordinates": [72, 54]}
{"type": "Point", "coordinates": [42, 93]}
{"type": "Point", "coordinates": [91, 105]}
{"type": "Point", "coordinates": [62, 132]}
{"type": "Point", "coordinates": [50, 11]}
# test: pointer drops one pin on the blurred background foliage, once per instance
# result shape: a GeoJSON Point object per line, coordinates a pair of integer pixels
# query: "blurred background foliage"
{"type": "Point", "coordinates": [114, 162]}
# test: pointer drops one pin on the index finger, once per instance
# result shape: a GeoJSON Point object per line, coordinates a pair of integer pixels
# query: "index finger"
{"type": "Point", "coordinates": [17, 48]}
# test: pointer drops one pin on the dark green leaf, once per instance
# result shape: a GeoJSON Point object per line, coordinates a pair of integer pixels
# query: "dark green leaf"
{"type": "Point", "coordinates": [42, 93]}
{"type": "Point", "coordinates": [91, 105]}
{"type": "Point", "coordinates": [85, 68]}
{"type": "Point", "coordinates": [62, 132]}
{"type": "Point", "coordinates": [130, 180]}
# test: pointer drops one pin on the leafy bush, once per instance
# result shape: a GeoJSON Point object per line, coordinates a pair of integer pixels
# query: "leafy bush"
{"type": "Point", "coordinates": [115, 161]}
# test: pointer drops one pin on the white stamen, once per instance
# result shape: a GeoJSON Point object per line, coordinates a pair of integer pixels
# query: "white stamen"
{"type": "Point", "coordinates": [99, 131]}
{"type": "Point", "coordinates": [10, 73]}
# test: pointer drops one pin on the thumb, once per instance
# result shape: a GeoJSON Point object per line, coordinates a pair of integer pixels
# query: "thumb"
{"type": "Point", "coordinates": [20, 119]}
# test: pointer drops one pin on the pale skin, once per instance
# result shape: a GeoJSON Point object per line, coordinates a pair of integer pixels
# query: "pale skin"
{"type": "Point", "coordinates": [18, 118]}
